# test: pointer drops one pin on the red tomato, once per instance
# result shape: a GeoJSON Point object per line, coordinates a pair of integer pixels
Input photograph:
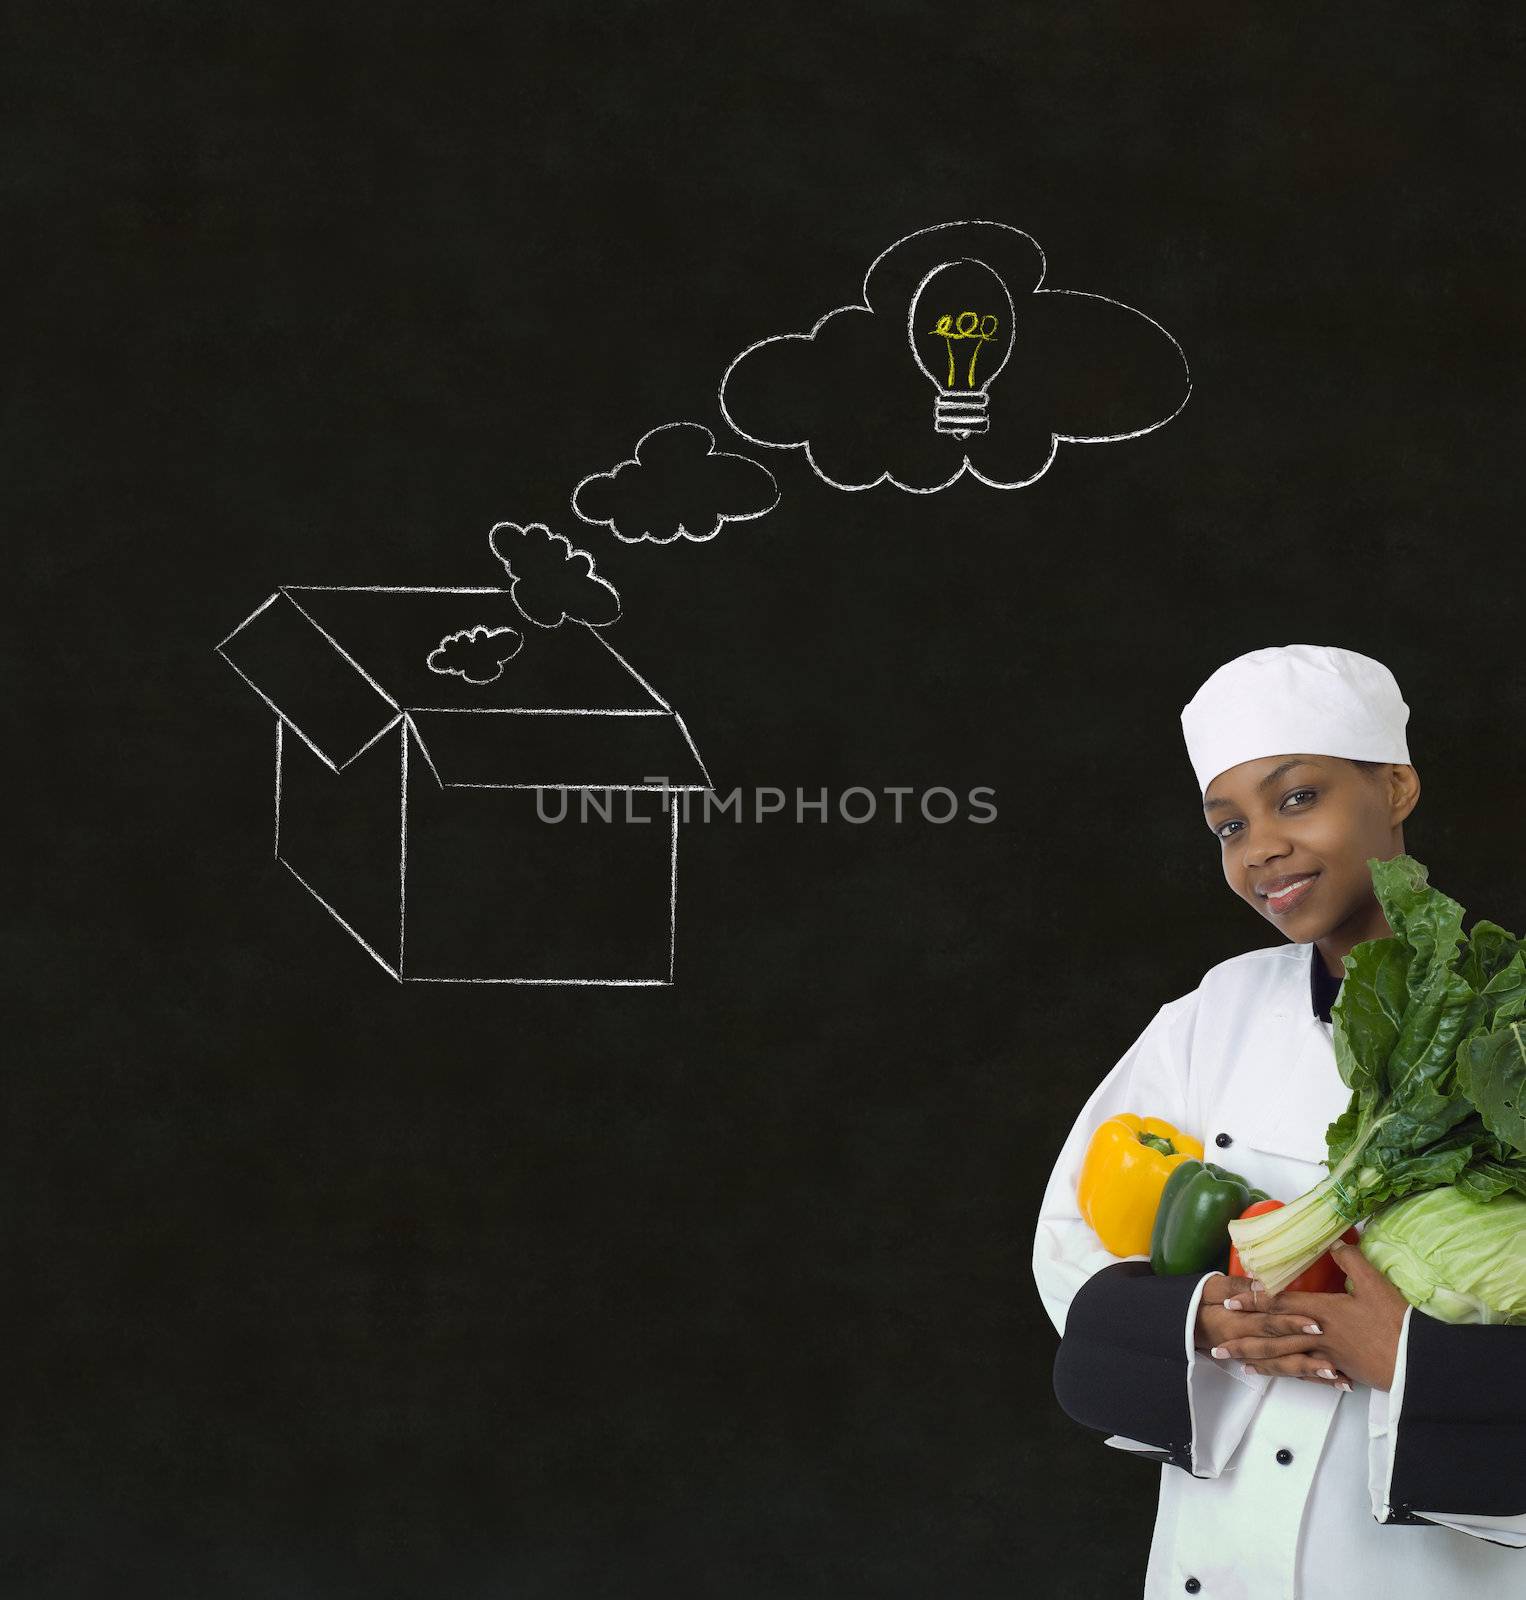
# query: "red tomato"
{"type": "Point", "coordinates": [1324, 1277]}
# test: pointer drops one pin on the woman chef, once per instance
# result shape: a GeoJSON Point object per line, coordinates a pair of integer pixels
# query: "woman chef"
{"type": "Point", "coordinates": [1366, 1448]}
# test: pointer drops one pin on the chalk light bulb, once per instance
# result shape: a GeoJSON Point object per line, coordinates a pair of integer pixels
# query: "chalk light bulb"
{"type": "Point", "coordinates": [961, 326]}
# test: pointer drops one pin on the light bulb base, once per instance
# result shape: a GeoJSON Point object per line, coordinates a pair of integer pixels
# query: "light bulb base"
{"type": "Point", "coordinates": [961, 413]}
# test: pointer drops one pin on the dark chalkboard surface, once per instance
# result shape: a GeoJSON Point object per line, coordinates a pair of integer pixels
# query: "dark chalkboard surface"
{"type": "Point", "coordinates": [331, 1285]}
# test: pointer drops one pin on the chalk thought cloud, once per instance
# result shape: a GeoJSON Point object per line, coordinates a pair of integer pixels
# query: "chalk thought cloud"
{"type": "Point", "coordinates": [552, 581]}
{"type": "Point", "coordinates": [477, 654]}
{"type": "Point", "coordinates": [676, 485]}
{"type": "Point", "coordinates": [956, 362]}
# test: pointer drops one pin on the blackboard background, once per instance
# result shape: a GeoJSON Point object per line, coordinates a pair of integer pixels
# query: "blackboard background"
{"type": "Point", "coordinates": [326, 1287]}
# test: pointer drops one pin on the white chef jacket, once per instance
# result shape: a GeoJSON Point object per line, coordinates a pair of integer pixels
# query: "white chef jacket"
{"type": "Point", "coordinates": [1283, 1490]}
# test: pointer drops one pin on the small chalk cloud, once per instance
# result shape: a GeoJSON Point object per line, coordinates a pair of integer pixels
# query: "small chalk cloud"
{"type": "Point", "coordinates": [553, 582]}
{"type": "Point", "coordinates": [956, 362]}
{"type": "Point", "coordinates": [676, 485]}
{"type": "Point", "coordinates": [478, 654]}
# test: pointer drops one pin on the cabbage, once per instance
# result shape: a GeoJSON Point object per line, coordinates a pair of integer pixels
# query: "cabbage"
{"type": "Point", "coordinates": [1459, 1260]}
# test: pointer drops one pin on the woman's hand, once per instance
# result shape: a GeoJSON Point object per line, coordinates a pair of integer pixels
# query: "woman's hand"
{"type": "Point", "coordinates": [1268, 1337]}
{"type": "Point", "coordinates": [1357, 1332]}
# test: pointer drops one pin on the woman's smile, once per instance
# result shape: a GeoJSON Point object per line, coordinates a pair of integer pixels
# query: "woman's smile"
{"type": "Point", "coordinates": [1294, 894]}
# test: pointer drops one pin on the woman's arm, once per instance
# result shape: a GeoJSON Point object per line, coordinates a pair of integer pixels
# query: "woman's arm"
{"type": "Point", "coordinates": [1150, 1079]}
{"type": "Point", "coordinates": [1127, 1363]}
{"type": "Point", "coordinates": [1122, 1366]}
{"type": "Point", "coordinates": [1449, 1438]}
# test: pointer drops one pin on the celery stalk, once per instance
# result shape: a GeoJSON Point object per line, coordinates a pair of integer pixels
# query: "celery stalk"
{"type": "Point", "coordinates": [1276, 1246]}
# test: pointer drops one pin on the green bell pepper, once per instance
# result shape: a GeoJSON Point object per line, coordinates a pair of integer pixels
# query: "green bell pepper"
{"type": "Point", "coordinates": [1191, 1232]}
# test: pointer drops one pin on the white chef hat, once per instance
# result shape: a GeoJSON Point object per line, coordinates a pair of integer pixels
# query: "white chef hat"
{"type": "Point", "coordinates": [1314, 698]}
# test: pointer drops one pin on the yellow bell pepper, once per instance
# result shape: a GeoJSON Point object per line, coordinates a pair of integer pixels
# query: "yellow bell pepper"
{"type": "Point", "coordinates": [1126, 1167]}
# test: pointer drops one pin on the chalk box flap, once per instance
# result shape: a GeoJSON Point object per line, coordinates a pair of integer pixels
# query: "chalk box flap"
{"type": "Point", "coordinates": [590, 749]}
{"type": "Point", "coordinates": [309, 679]}
{"type": "Point", "coordinates": [393, 633]}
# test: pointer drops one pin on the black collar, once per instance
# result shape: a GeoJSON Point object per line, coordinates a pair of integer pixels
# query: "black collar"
{"type": "Point", "coordinates": [1322, 987]}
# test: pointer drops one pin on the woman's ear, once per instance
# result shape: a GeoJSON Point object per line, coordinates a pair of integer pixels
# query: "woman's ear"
{"type": "Point", "coordinates": [1403, 792]}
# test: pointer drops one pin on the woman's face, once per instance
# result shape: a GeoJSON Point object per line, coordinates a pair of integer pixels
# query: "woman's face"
{"type": "Point", "coordinates": [1281, 819]}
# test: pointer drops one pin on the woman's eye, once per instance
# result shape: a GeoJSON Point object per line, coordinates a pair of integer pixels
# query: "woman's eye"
{"type": "Point", "coordinates": [1223, 830]}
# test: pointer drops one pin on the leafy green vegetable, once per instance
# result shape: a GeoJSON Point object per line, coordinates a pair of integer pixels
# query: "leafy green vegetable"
{"type": "Point", "coordinates": [1455, 1258]}
{"type": "Point", "coordinates": [1491, 1070]}
{"type": "Point", "coordinates": [1430, 1037]}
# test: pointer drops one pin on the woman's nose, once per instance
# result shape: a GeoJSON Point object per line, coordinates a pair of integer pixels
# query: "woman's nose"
{"type": "Point", "coordinates": [1264, 842]}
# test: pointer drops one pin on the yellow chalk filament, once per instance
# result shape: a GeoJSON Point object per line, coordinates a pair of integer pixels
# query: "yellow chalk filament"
{"type": "Point", "coordinates": [967, 325]}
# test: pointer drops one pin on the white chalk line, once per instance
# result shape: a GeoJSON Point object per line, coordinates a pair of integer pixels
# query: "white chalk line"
{"type": "Point", "coordinates": [614, 983]}
{"type": "Point", "coordinates": [539, 711]}
{"type": "Point", "coordinates": [279, 726]}
{"type": "Point", "coordinates": [278, 711]}
{"type": "Point", "coordinates": [343, 652]}
{"type": "Point", "coordinates": [388, 588]}
{"type": "Point", "coordinates": [418, 739]}
{"type": "Point", "coordinates": [268, 601]}
{"type": "Point", "coordinates": [381, 733]}
{"type": "Point", "coordinates": [698, 758]}
{"type": "Point", "coordinates": [673, 900]}
{"type": "Point", "coordinates": [402, 864]}
{"type": "Point", "coordinates": [612, 788]}
{"type": "Point", "coordinates": [629, 668]}
{"type": "Point", "coordinates": [391, 973]}
{"type": "Point", "coordinates": [1138, 433]}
